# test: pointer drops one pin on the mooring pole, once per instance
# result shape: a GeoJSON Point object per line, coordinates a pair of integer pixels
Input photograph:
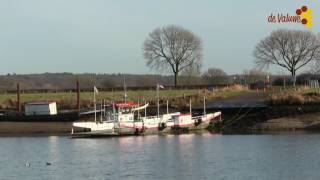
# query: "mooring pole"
{"type": "Point", "coordinates": [78, 96]}
{"type": "Point", "coordinates": [18, 98]}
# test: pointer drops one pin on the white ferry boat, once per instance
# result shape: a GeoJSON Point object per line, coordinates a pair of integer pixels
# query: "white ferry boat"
{"type": "Point", "coordinates": [125, 119]}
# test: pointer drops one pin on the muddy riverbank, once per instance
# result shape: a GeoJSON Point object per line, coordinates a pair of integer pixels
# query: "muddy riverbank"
{"type": "Point", "coordinates": [273, 118]}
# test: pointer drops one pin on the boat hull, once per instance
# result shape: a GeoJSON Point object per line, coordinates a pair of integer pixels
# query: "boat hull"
{"type": "Point", "coordinates": [198, 123]}
{"type": "Point", "coordinates": [128, 128]}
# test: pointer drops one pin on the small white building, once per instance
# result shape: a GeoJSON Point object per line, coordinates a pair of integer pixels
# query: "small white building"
{"type": "Point", "coordinates": [41, 108]}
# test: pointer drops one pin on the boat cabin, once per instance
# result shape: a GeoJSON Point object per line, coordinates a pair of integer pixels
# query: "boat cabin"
{"type": "Point", "coordinates": [40, 108]}
{"type": "Point", "coordinates": [182, 120]}
{"type": "Point", "coordinates": [121, 112]}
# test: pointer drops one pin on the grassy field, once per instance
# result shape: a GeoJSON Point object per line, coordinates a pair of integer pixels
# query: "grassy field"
{"type": "Point", "coordinates": [296, 96]}
{"type": "Point", "coordinates": [69, 99]}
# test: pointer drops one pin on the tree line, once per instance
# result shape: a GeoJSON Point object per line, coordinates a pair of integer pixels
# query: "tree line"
{"type": "Point", "coordinates": [211, 77]}
{"type": "Point", "coordinates": [175, 49]}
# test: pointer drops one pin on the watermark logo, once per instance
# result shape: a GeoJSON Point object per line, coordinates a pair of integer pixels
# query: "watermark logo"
{"type": "Point", "coordinates": [303, 15]}
{"type": "Point", "coordinates": [306, 15]}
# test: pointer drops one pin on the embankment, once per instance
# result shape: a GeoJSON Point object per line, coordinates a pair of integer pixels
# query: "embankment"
{"type": "Point", "coordinates": [298, 122]}
{"type": "Point", "coordinates": [10, 128]}
{"type": "Point", "coordinates": [275, 118]}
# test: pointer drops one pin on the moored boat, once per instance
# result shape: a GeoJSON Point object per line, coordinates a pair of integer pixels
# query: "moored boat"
{"type": "Point", "coordinates": [120, 120]}
{"type": "Point", "coordinates": [123, 119]}
{"type": "Point", "coordinates": [187, 122]}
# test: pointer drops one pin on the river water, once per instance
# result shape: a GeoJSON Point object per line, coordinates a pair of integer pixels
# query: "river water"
{"type": "Point", "coordinates": [188, 156]}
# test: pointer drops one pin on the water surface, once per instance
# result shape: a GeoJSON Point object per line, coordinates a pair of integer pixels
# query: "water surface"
{"type": "Point", "coordinates": [189, 156]}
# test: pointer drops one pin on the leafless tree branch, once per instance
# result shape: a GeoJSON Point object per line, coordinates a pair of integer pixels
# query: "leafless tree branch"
{"type": "Point", "coordinates": [290, 49]}
{"type": "Point", "coordinates": [172, 47]}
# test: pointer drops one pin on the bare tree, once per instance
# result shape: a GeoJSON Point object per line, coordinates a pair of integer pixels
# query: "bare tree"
{"type": "Point", "coordinates": [215, 76]}
{"type": "Point", "coordinates": [172, 48]}
{"type": "Point", "coordinates": [290, 49]}
{"type": "Point", "coordinates": [191, 71]}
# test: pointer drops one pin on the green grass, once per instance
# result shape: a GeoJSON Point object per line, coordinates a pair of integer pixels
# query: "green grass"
{"type": "Point", "coordinates": [146, 95]}
{"type": "Point", "coordinates": [69, 99]}
{"type": "Point", "coordinates": [312, 90]}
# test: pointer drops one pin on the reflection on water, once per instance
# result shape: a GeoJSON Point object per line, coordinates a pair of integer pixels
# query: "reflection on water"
{"type": "Point", "coordinates": [187, 156]}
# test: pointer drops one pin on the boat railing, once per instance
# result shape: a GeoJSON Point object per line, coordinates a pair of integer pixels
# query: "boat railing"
{"type": "Point", "coordinates": [197, 117]}
{"type": "Point", "coordinates": [150, 117]}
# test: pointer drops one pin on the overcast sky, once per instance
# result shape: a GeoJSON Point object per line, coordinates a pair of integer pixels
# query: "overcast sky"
{"type": "Point", "coordinates": [104, 36]}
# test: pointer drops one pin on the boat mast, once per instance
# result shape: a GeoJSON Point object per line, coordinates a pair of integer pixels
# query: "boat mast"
{"type": "Point", "coordinates": [138, 109]}
{"type": "Point", "coordinates": [114, 111]}
{"type": "Point", "coordinates": [100, 110]}
{"type": "Point", "coordinates": [190, 107]}
{"type": "Point", "coordinates": [125, 89]}
{"type": "Point", "coordinates": [94, 102]}
{"type": "Point", "coordinates": [158, 109]}
{"type": "Point", "coordinates": [145, 110]}
{"type": "Point", "coordinates": [104, 108]}
{"type": "Point", "coordinates": [78, 97]}
{"type": "Point", "coordinates": [18, 98]}
{"type": "Point", "coordinates": [204, 105]}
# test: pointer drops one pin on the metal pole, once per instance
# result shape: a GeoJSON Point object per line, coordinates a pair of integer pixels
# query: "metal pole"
{"type": "Point", "coordinates": [114, 111]}
{"type": "Point", "coordinates": [78, 96]}
{"type": "Point", "coordinates": [145, 111]}
{"type": "Point", "coordinates": [100, 110]}
{"type": "Point", "coordinates": [125, 89]}
{"type": "Point", "coordinates": [204, 106]}
{"type": "Point", "coordinates": [104, 108]}
{"type": "Point", "coordinates": [95, 106]}
{"type": "Point", "coordinates": [167, 107]}
{"type": "Point", "coordinates": [190, 107]}
{"type": "Point", "coordinates": [158, 99]}
{"type": "Point", "coordinates": [18, 98]}
{"type": "Point", "coordinates": [114, 115]}
{"type": "Point", "coordinates": [138, 109]}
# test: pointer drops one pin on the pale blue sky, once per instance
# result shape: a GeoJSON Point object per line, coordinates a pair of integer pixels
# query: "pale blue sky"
{"type": "Point", "coordinates": [104, 36]}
